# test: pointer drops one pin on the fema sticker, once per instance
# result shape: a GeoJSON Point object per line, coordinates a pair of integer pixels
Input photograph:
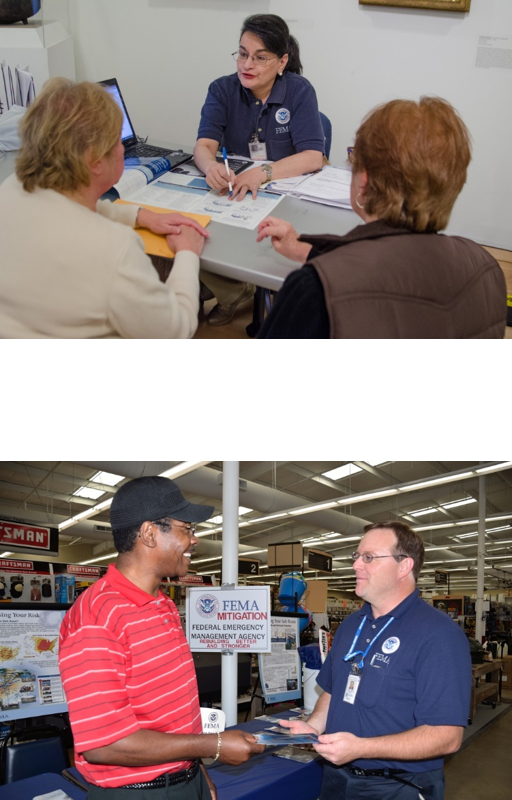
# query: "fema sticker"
{"type": "Point", "coordinates": [207, 605]}
{"type": "Point", "coordinates": [391, 645]}
{"type": "Point", "coordinates": [283, 116]}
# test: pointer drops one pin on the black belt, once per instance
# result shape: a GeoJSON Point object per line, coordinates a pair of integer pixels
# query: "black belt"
{"type": "Point", "coordinates": [379, 772]}
{"type": "Point", "coordinates": [393, 774]}
{"type": "Point", "coordinates": [168, 779]}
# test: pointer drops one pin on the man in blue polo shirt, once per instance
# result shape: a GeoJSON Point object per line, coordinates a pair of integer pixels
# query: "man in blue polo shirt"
{"type": "Point", "coordinates": [397, 681]}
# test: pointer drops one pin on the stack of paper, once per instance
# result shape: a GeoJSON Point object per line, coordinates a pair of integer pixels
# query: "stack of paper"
{"type": "Point", "coordinates": [330, 186]}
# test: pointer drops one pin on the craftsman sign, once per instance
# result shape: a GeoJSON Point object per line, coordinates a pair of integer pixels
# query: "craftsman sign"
{"type": "Point", "coordinates": [229, 619]}
{"type": "Point", "coordinates": [28, 536]}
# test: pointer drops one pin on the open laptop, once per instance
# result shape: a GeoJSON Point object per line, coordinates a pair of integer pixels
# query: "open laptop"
{"type": "Point", "coordinates": [132, 147]}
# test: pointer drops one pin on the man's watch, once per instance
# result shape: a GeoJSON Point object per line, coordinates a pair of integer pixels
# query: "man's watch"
{"type": "Point", "coordinates": [267, 169]}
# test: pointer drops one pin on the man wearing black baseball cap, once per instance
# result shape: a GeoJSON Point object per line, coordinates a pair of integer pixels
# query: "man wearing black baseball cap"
{"type": "Point", "coordinates": [126, 666]}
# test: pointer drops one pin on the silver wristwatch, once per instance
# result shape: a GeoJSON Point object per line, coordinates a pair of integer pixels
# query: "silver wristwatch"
{"type": "Point", "coordinates": [267, 169]}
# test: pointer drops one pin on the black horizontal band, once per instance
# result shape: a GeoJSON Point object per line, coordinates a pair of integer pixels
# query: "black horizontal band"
{"type": "Point", "coordinates": [380, 773]}
{"type": "Point", "coordinates": [168, 779]}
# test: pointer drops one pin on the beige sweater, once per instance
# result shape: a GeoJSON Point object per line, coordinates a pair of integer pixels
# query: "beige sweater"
{"type": "Point", "coordinates": [69, 273]}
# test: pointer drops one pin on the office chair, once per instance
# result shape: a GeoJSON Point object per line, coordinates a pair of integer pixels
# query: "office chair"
{"type": "Point", "coordinates": [24, 759]}
{"type": "Point", "coordinates": [326, 125]}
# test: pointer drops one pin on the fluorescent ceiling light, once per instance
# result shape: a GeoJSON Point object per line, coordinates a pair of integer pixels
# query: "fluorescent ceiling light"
{"type": "Point", "coordinates": [7, 553]}
{"type": "Point", "coordinates": [107, 477]}
{"type": "Point", "coordinates": [496, 468]}
{"type": "Point", "coordinates": [271, 516]}
{"type": "Point", "coordinates": [467, 535]}
{"type": "Point", "coordinates": [435, 481]}
{"type": "Point", "coordinates": [422, 511]}
{"type": "Point", "coordinates": [310, 509]}
{"type": "Point", "coordinates": [360, 498]}
{"type": "Point", "coordinates": [342, 472]}
{"type": "Point", "coordinates": [182, 469]}
{"type": "Point", "coordinates": [90, 512]}
{"type": "Point", "coordinates": [85, 491]}
{"type": "Point", "coordinates": [241, 511]}
{"type": "Point", "coordinates": [349, 469]}
{"type": "Point", "coordinates": [207, 532]}
{"type": "Point", "coordinates": [456, 503]}
{"type": "Point", "coordinates": [100, 558]}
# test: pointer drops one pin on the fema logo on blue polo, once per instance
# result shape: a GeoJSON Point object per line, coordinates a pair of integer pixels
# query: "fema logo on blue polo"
{"type": "Point", "coordinates": [283, 116]}
{"type": "Point", "coordinates": [391, 645]}
{"type": "Point", "coordinates": [207, 605]}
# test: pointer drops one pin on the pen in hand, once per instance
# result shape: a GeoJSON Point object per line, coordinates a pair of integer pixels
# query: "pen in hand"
{"type": "Point", "coordinates": [225, 157]}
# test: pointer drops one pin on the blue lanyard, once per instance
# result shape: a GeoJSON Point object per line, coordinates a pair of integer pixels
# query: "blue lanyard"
{"type": "Point", "coordinates": [351, 653]}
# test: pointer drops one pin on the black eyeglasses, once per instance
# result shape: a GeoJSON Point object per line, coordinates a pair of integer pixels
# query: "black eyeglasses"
{"type": "Point", "coordinates": [166, 524]}
{"type": "Point", "coordinates": [367, 558]}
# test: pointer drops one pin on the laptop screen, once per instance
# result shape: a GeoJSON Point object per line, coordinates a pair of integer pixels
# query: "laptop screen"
{"type": "Point", "coordinates": [128, 136]}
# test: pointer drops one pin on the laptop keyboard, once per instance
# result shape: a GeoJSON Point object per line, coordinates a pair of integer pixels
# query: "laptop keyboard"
{"type": "Point", "coordinates": [146, 151]}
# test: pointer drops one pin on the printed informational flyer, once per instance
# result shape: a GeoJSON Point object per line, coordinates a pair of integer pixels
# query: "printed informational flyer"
{"type": "Point", "coordinates": [186, 193]}
{"type": "Point", "coordinates": [280, 670]}
{"type": "Point", "coordinates": [30, 683]}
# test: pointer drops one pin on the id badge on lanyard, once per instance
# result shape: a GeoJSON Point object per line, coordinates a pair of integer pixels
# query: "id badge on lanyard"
{"type": "Point", "coordinates": [353, 682]}
{"type": "Point", "coordinates": [258, 150]}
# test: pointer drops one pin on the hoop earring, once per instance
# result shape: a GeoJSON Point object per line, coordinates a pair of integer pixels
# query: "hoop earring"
{"type": "Point", "coordinates": [358, 204]}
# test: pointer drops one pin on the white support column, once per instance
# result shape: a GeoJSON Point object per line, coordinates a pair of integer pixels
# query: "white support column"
{"type": "Point", "coordinates": [230, 502]}
{"type": "Point", "coordinates": [479, 610]}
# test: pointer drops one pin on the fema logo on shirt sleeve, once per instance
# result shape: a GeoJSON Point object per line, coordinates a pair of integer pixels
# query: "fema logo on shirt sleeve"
{"type": "Point", "coordinates": [283, 116]}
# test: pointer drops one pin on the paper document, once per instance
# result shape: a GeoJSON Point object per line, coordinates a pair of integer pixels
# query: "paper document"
{"type": "Point", "coordinates": [246, 213]}
{"type": "Point", "coordinates": [278, 739]}
{"type": "Point", "coordinates": [330, 186]}
{"type": "Point", "coordinates": [138, 172]}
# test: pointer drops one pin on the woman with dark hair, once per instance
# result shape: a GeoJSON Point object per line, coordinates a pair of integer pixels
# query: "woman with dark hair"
{"type": "Point", "coordinates": [396, 277]}
{"type": "Point", "coordinates": [266, 111]}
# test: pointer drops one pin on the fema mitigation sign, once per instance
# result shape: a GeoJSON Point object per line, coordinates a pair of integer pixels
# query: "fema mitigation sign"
{"type": "Point", "coordinates": [229, 619]}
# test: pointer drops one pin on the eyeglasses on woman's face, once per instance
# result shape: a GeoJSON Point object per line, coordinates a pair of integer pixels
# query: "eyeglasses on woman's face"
{"type": "Point", "coordinates": [242, 56]}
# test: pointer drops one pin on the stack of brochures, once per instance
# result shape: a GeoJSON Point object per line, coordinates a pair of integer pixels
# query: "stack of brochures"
{"type": "Point", "coordinates": [330, 186]}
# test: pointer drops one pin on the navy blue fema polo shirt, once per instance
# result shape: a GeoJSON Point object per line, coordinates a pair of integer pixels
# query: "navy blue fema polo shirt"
{"type": "Point", "coordinates": [288, 122]}
{"type": "Point", "coordinates": [417, 673]}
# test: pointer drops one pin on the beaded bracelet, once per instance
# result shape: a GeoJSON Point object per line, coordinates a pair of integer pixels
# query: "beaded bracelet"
{"type": "Point", "coordinates": [219, 744]}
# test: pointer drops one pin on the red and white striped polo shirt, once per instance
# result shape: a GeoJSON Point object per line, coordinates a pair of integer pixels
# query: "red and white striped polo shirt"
{"type": "Point", "coordinates": [125, 665]}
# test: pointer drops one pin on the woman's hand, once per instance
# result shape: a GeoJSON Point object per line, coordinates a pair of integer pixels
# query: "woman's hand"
{"type": "Point", "coordinates": [167, 223]}
{"type": "Point", "coordinates": [284, 238]}
{"type": "Point", "coordinates": [249, 180]}
{"type": "Point", "coordinates": [216, 176]}
{"type": "Point", "coordinates": [186, 238]}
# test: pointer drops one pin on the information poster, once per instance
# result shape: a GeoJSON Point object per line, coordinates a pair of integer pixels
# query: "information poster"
{"type": "Point", "coordinates": [30, 683]}
{"type": "Point", "coordinates": [280, 670]}
{"type": "Point", "coordinates": [229, 619]}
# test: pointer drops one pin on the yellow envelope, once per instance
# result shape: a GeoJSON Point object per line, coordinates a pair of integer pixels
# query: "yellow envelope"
{"type": "Point", "coordinates": [155, 244]}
